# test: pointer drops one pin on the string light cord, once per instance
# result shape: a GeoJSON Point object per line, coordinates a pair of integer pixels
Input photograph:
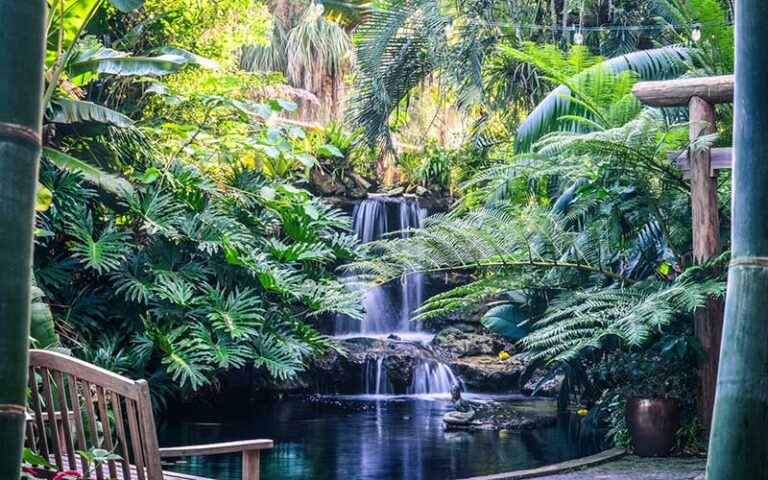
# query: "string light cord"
{"type": "Point", "coordinates": [561, 28]}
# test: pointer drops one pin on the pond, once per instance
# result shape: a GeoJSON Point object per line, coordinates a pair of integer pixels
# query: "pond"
{"type": "Point", "coordinates": [373, 437]}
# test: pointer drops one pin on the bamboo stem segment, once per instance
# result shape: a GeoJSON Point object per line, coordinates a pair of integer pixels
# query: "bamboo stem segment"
{"type": "Point", "coordinates": [22, 31]}
{"type": "Point", "coordinates": [738, 445]}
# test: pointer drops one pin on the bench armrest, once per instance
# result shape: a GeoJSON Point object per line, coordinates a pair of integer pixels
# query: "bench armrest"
{"type": "Point", "coordinates": [216, 448]}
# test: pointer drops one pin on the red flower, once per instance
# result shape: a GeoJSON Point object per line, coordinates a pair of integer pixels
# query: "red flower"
{"type": "Point", "coordinates": [67, 475]}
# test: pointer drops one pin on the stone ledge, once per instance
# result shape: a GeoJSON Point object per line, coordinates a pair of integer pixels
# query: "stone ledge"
{"type": "Point", "coordinates": [579, 463]}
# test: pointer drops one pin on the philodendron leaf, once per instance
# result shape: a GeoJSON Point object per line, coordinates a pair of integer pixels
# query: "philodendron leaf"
{"type": "Point", "coordinates": [126, 5]}
{"type": "Point", "coordinates": [330, 151]}
{"type": "Point", "coordinates": [506, 320]}
{"type": "Point", "coordinates": [306, 159]}
{"type": "Point", "coordinates": [280, 104]}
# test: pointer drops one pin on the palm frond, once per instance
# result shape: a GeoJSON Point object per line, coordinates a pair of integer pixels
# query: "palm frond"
{"type": "Point", "coordinates": [656, 64]}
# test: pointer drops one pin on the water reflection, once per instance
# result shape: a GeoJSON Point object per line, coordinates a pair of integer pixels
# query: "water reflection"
{"type": "Point", "coordinates": [354, 438]}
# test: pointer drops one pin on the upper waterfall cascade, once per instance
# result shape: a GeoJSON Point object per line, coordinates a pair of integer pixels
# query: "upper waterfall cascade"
{"type": "Point", "coordinates": [389, 308]}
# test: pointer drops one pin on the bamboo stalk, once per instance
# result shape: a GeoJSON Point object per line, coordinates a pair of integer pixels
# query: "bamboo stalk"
{"type": "Point", "coordinates": [738, 446]}
{"type": "Point", "coordinates": [22, 30]}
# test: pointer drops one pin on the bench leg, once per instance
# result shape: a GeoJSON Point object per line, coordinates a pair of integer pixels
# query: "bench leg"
{"type": "Point", "coordinates": [251, 465]}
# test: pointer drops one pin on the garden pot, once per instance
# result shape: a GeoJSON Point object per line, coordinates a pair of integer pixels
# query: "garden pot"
{"type": "Point", "coordinates": [652, 424]}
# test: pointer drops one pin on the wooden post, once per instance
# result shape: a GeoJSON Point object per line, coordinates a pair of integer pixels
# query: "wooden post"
{"type": "Point", "coordinates": [700, 95]}
{"type": "Point", "coordinates": [708, 321]}
{"type": "Point", "coordinates": [251, 465]}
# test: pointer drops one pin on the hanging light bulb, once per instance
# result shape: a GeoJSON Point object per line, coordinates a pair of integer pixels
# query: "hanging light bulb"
{"type": "Point", "coordinates": [449, 29]}
{"type": "Point", "coordinates": [696, 33]}
{"type": "Point", "coordinates": [578, 38]}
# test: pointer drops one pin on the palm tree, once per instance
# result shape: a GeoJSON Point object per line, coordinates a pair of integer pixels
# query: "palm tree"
{"type": "Point", "coordinates": [21, 87]}
{"type": "Point", "coordinates": [314, 51]}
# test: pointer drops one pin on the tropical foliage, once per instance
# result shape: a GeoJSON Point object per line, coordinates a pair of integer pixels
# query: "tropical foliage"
{"type": "Point", "coordinates": [177, 239]}
{"type": "Point", "coordinates": [577, 236]}
{"type": "Point", "coordinates": [468, 48]}
{"type": "Point", "coordinates": [174, 245]}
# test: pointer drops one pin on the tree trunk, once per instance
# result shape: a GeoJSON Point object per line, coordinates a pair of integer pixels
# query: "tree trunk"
{"type": "Point", "coordinates": [22, 30]}
{"type": "Point", "coordinates": [738, 445]}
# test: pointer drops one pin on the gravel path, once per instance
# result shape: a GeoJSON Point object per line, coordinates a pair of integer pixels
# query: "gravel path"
{"type": "Point", "coordinates": [635, 468]}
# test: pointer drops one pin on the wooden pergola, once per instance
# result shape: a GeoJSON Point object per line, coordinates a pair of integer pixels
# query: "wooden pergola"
{"type": "Point", "coordinates": [700, 95]}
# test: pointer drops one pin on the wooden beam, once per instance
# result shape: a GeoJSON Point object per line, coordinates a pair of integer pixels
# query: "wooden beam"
{"type": "Point", "coordinates": [678, 93]}
{"type": "Point", "coordinates": [719, 159]}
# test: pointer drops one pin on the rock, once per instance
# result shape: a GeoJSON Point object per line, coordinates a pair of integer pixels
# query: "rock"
{"type": "Point", "coordinates": [550, 388]}
{"type": "Point", "coordinates": [496, 419]}
{"type": "Point", "coordinates": [362, 182]}
{"type": "Point", "coordinates": [400, 371]}
{"type": "Point", "coordinates": [421, 191]}
{"type": "Point", "coordinates": [486, 373]}
{"type": "Point", "coordinates": [459, 343]}
{"type": "Point", "coordinates": [395, 192]}
{"type": "Point", "coordinates": [325, 184]}
{"type": "Point", "coordinates": [334, 373]}
{"type": "Point", "coordinates": [330, 372]}
{"type": "Point", "coordinates": [530, 423]}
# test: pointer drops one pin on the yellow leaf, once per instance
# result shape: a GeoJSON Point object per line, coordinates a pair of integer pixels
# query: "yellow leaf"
{"type": "Point", "coordinates": [44, 198]}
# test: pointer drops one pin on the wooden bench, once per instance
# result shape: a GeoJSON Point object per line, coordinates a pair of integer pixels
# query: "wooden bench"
{"type": "Point", "coordinates": [95, 408]}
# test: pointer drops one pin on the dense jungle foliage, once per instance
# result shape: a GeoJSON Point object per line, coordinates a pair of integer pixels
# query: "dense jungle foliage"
{"type": "Point", "coordinates": [178, 238]}
{"type": "Point", "coordinates": [172, 242]}
{"type": "Point", "coordinates": [576, 228]}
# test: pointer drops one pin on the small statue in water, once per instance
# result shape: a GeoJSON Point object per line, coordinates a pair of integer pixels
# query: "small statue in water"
{"type": "Point", "coordinates": [463, 413]}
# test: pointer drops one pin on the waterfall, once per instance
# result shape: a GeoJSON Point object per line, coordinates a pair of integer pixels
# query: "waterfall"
{"type": "Point", "coordinates": [431, 376]}
{"type": "Point", "coordinates": [389, 308]}
{"type": "Point", "coordinates": [376, 378]}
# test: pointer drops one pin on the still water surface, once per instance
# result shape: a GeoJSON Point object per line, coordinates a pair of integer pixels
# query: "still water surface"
{"type": "Point", "coordinates": [372, 438]}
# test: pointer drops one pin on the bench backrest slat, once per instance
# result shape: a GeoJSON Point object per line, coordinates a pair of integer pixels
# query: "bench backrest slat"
{"type": "Point", "coordinates": [64, 408]}
{"type": "Point", "coordinates": [76, 406]}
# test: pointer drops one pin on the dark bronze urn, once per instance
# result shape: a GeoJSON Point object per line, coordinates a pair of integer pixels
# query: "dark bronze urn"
{"type": "Point", "coordinates": [652, 424]}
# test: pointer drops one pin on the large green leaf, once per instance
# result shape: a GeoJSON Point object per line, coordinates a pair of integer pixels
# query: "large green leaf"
{"type": "Point", "coordinates": [41, 326]}
{"type": "Point", "coordinates": [506, 320]}
{"type": "Point", "coordinates": [350, 13]}
{"type": "Point", "coordinates": [191, 58]}
{"type": "Point", "coordinates": [114, 62]}
{"type": "Point", "coordinates": [106, 181]}
{"type": "Point", "coordinates": [67, 26]}
{"type": "Point", "coordinates": [67, 111]}
{"type": "Point", "coordinates": [655, 64]}
{"type": "Point", "coordinates": [127, 5]}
